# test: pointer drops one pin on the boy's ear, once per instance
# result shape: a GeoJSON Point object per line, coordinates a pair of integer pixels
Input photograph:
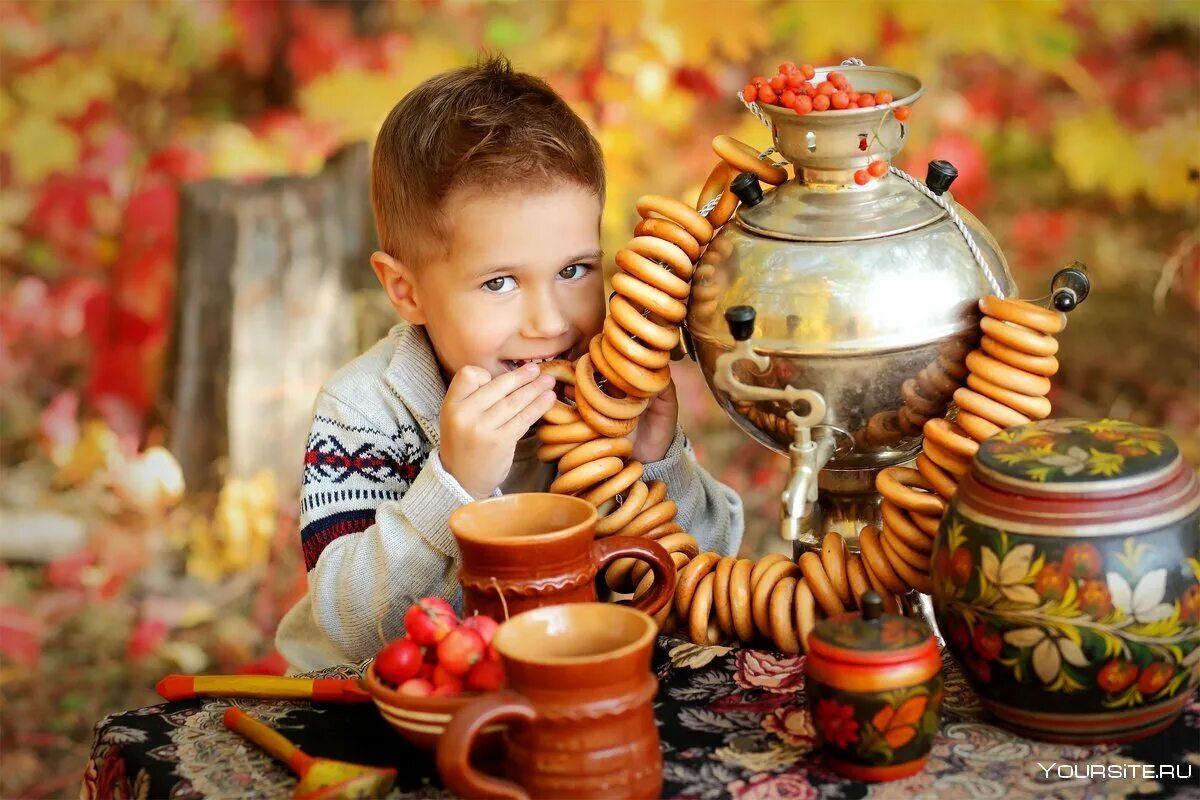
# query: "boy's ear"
{"type": "Point", "coordinates": [397, 280]}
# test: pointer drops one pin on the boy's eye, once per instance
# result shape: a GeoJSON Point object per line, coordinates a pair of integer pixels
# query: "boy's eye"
{"type": "Point", "coordinates": [573, 272]}
{"type": "Point", "coordinates": [498, 285]}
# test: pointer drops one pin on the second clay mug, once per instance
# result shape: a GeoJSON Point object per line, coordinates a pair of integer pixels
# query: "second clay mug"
{"type": "Point", "coordinates": [524, 551]}
{"type": "Point", "coordinates": [580, 722]}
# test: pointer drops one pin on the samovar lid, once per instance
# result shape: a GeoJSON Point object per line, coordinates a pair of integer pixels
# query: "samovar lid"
{"type": "Point", "coordinates": [813, 213]}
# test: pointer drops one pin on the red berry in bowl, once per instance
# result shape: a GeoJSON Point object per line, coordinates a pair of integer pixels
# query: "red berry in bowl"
{"type": "Point", "coordinates": [862, 177]}
{"type": "Point", "coordinates": [486, 676]}
{"type": "Point", "coordinates": [429, 619]}
{"type": "Point", "coordinates": [398, 662]}
{"type": "Point", "coordinates": [482, 624]}
{"type": "Point", "coordinates": [460, 650]}
{"type": "Point", "coordinates": [416, 687]}
{"type": "Point", "coordinates": [444, 678]}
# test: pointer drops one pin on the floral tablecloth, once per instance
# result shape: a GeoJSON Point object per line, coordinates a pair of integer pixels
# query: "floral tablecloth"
{"type": "Point", "coordinates": [733, 724]}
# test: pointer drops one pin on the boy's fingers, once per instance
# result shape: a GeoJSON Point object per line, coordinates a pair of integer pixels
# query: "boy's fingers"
{"type": "Point", "coordinates": [465, 382]}
{"type": "Point", "coordinates": [528, 417]}
{"type": "Point", "coordinates": [499, 387]}
{"type": "Point", "coordinates": [517, 401]}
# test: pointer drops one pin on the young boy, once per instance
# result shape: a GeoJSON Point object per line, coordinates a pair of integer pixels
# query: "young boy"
{"type": "Point", "coordinates": [487, 192]}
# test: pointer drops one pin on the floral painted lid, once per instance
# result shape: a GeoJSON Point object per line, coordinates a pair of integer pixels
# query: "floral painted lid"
{"type": "Point", "coordinates": [872, 637]}
{"type": "Point", "coordinates": [1084, 477]}
{"type": "Point", "coordinates": [1077, 456]}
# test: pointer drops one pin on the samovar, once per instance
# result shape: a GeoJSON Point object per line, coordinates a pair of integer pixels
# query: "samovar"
{"type": "Point", "coordinates": [815, 313]}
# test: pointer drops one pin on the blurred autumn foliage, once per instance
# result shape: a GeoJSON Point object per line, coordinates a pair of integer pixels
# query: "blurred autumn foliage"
{"type": "Point", "coordinates": [1074, 126]}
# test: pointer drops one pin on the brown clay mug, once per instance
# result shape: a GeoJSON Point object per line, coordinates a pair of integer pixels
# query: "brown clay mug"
{"type": "Point", "coordinates": [538, 549]}
{"type": "Point", "coordinates": [577, 706]}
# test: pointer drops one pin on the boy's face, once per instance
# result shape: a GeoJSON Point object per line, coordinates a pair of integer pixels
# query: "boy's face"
{"type": "Point", "coordinates": [520, 281]}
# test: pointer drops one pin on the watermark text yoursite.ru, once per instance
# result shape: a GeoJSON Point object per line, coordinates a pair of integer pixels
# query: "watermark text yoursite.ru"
{"type": "Point", "coordinates": [1108, 771]}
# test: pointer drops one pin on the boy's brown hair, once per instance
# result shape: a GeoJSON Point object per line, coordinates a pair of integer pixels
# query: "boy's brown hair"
{"type": "Point", "coordinates": [483, 126]}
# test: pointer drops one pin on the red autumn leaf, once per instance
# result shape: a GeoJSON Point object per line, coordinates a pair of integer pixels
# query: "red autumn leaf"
{"type": "Point", "coordinates": [20, 636]}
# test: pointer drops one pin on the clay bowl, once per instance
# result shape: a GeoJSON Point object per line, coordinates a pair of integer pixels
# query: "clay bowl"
{"type": "Point", "coordinates": [420, 720]}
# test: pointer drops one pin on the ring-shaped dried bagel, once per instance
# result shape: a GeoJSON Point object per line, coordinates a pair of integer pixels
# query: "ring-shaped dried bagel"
{"type": "Point", "coordinates": [946, 460]}
{"type": "Point", "coordinates": [1024, 339]}
{"type": "Point", "coordinates": [913, 556]}
{"type": "Point", "coordinates": [743, 158]}
{"type": "Point", "coordinates": [956, 368]}
{"type": "Point", "coordinates": [560, 369]}
{"type": "Point", "coordinates": [718, 184]}
{"type": "Point", "coordinates": [762, 565]}
{"type": "Point", "coordinates": [604, 425]}
{"type": "Point", "coordinates": [919, 403]}
{"type": "Point", "coordinates": [699, 613]}
{"type": "Point", "coordinates": [976, 426]}
{"type": "Point", "coordinates": [678, 212]}
{"type": "Point", "coordinates": [856, 573]}
{"type": "Point", "coordinates": [576, 432]}
{"type": "Point", "coordinates": [877, 562]}
{"type": "Point", "coordinates": [1038, 365]}
{"type": "Point", "coordinates": [933, 381]}
{"type": "Point", "coordinates": [586, 475]}
{"type": "Point", "coordinates": [949, 437]}
{"type": "Point", "coordinates": [942, 482]}
{"type": "Point", "coordinates": [904, 485]}
{"type": "Point", "coordinates": [806, 612]}
{"type": "Point", "coordinates": [721, 590]}
{"type": "Point", "coordinates": [632, 349]}
{"type": "Point", "coordinates": [898, 523]}
{"type": "Point", "coordinates": [593, 450]}
{"type": "Point", "coordinates": [617, 484]}
{"type": "Point", "coordinates": [561, 414]}
{"type": "Point", "coordinates": [760, 600]}
{"type": "Point", "coordinates": [600, 362]}
{"type": "Point", "coordinates": [549, 453]}
{"type": "Point", "coordinates": [650, 517]}
{"type": "Point", "coordinates": [782, 618]}
{"type": "Point", "coordinates": [996, 413]}
{"type": "Point", "coordinates": [660, 336]}
{"type": "Point", "coordinates": [597, 398]}
{"type": "Point", "coordinates": [911, 420]}
{"type": "Point", "coordinates": [651, 299]}
{"type": "Point", "coordinates": [740, 596]}
{"type": "Point", "coordinates": [667, 255]}
{"type": "Point", "coordinates": [833, 558]}
{"type": "Point", "coordinates": [1009, 377]}
{"type": "Point", "coordinates": [653, 273]}
{"type": "Point", "coordinates": [671, 232]}
{"type": "Point", "coordinates": [1023, 313]}
{"type": "Point", "coordinates": [911, 577]}
{"type": "Point", "coordinates": [624, 513]}
{"type": "Point", "coordinates": [645, 381]}
{"type": "Point", "coordinates": [1032, 407]}
{"type": "Point", "coordinates": [818, 581]}
{"type": "Point", "coordinates": [884, 428]}
{"type": "Point", "coordinates": [689, 579]}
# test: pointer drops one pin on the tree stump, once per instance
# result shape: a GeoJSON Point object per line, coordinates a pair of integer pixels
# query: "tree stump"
{"type": "Point", "coordinates": [264, 315]}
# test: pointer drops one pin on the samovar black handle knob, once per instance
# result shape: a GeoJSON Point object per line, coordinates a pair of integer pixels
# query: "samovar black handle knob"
{"type": "Point", "coordinates": [941, 174]}
{"type": "Point", "coordinates": [1070, 287]}
{"type": "Point", "coordinates": [741, 322]}
{"type": "Point", "coordinates": [746, 187]}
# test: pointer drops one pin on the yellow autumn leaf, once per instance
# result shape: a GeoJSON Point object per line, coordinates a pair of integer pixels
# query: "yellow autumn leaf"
{"type": "Point", "coordinates": [96, 450]}
{"type": "Point", "coordinates": [64, 87]}
{"type": "Point", "coordinates": [823, 35]}
{"type": "Point", "coordinates": [236, 152]}
{"type": "Point", "coordinates": [14, 207]}
{"type": "Point", "coordinates": [38, 146]}
{"type": "Point", "coordinates": [590, 17]}
{"type": "Point", "coordinates": [707, 29]}
{"type": "Point", "coordinates": [1097, 153]}
{"type": "Point", "coordinates": [1171, 152]}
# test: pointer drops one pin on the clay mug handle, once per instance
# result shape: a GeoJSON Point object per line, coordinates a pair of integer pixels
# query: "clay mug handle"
{"type": "Point", "coordinates": [455, 743]}
{"type": "Point", "coordinates": [607, 550]}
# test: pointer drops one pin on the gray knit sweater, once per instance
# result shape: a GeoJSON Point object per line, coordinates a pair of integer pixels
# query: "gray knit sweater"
{"type": "Point", "coordinates": [375, 503]}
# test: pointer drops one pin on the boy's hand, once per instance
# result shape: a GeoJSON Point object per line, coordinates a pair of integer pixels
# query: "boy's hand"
{"type": "Point", "coordinates": [656, 430]}
{"type": "Point", "coordinates": [484, 417]}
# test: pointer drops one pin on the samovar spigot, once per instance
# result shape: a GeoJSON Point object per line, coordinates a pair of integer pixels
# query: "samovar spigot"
{"type": "Point", "coordinates": [808, 456]}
